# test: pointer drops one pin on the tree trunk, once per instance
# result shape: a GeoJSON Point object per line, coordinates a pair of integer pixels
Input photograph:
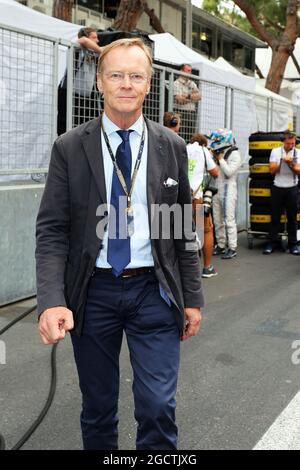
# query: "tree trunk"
{"type": "Point", "coordinates": [129, 13]}
{"type": "Point", "coordinates": [280, 57]}
{"type": "Point", "coordinates": [154, 20]}
{"type": "Point", "coordinates": [62, 9]}
{"type": "Point", "coordinates": [282, 46]}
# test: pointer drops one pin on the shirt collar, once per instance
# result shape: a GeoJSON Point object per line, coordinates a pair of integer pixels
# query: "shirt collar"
{"type": "Point", "coordinates": [183, 79]}
{"type": "Point", "coordinates": [110, 127]}
{"type": "Point", "coordinates": [289, 151]}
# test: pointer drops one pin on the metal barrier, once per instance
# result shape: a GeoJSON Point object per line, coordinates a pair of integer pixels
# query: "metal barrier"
{"type": "Point", "coordinates": [31, 69]}
{"type": "Point", "coordinates": [28, 73]}
{"type": "Point", "coordinates": [30, 97]}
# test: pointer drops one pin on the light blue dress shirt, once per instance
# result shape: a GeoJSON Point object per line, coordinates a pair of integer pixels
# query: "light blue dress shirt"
{"type": "Point", "coordinates": [140, 245]}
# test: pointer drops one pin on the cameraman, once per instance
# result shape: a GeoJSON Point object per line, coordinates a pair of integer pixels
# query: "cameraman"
{"type": "Point", "coordinates": [226, 155]}
{"type": "Point", "coordinates": [85, 104]}
{"type": "Point", "coordinates": [200, 160]}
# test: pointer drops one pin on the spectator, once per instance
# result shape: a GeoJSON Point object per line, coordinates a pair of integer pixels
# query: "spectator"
{"type": "Point", "coordinates": [228, 158]}
{"type": "Point", "coordinates": [86, 101]}
{"type": "Point", "coordinates": [201, 163]}
{"type": "Point", "coordinates": [172, 121]}
{"type": "Point", "coordinates": [186, 96]}
{"type": "Point", "coordinates": [285, 166]}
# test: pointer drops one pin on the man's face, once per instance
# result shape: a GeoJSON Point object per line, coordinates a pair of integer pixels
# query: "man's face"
{"type": "Point", "coordinates": [124, 97]}
{"type": "Point", "coordinates": [93, 37]}
{"type": "Point", "coordinates": [187, 69]}
{"type": "Point", "coordinates": [288, 144]}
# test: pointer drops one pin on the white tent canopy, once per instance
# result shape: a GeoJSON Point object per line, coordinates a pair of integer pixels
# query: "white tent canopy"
{"type": "Point", "coordinates": [15, 15]}
{"type": "Point", "coordinates": [263, 58]}
{"type": "Point", "coordinates": [32, 59]}
{"type": "Point", "coordinates": [282, 110]}
{"type": "Point", "coordinates": [26, 82]}
{"type": "Point", "coordinates": [216, 89]}
{"type": "Point", "coordinates": [289, 89]}
{"type": "Point", "coordinates": [171, 50]}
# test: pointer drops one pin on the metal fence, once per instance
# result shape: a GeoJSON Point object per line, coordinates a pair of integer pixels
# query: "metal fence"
{"type": "Point", "coordinates": [28, 71]}
{"type": "Point", "coordinates": [32, 103]}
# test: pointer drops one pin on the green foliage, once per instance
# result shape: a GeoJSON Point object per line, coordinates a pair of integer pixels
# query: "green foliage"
{"type": "Point", "coordinates": [271, 13]}
{"type": "Point", "coordinates": [213, 6]}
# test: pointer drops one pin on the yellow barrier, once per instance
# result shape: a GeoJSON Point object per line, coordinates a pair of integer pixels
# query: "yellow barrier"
{"type": "Point", "coordinates": [260, 219]}
{"type": "Point", "coordinates": [266, 219]}
{"type": "Point", "coordinates": [257, 168]}
{"type": "Point", "coordinates": [260, 192]}
{"type": "Point", "coordinates": [265, 145]}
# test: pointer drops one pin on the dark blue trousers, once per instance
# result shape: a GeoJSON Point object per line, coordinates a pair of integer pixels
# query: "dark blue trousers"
{"type": "Point", "coordinates": [133, 305]}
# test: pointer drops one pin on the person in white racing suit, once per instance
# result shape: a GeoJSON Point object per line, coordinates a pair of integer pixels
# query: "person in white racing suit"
{"type": "Point", "coordinates": [227, 156]}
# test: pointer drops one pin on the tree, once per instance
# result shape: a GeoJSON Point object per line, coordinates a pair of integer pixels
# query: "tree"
{"type": "Point", "coordinates": [229, 12]}
{"type": "Point", "coordinates": [62, 9]}
{"type": "Point", "coordinates": [129, 13]}
{"type": "Point", "coordinates": [274, 21]}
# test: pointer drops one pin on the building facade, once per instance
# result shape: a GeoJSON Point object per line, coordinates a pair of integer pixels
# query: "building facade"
{"type": "Point", "coordinates": [211, 36]}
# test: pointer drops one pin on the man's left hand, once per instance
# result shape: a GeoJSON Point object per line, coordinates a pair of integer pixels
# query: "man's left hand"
{"type": "Point", "coordinates": [193, 322]}
{"type": "Point", "coordinates": [195, 95]}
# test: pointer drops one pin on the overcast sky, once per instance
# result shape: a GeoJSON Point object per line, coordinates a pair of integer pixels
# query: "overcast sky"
{"type": "Point", "coordinates": [198, 3]}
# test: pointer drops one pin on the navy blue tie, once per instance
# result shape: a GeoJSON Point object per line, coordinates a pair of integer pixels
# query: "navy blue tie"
{"type": "Point", "coordinates": [118, 252]}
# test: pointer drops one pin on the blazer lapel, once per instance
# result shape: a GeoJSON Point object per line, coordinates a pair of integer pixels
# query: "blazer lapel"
{"type": "Point", "coordinates": [157, 152]}
{"type": "Point", "coordinates": [157, 158]}
{"type": "Point", "coordinates": [92, 145]}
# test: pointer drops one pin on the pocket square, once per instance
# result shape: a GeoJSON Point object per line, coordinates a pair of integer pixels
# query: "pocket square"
{"type": "Point", "coordinates": [170, 182]}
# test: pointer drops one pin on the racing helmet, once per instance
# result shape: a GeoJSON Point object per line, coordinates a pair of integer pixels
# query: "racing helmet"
{"type": "Point", "coordinates": [221, 139]}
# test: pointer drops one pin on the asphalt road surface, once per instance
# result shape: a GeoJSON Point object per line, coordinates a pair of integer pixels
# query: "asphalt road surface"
{"type": "Point", "coordinates": [239, 378]}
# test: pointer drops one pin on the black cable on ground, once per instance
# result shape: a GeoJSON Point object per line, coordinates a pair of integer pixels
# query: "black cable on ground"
{"type": "Point", "coordinates": [20, 317]}
{"type": "Point", "coordinates": [2, 442]}
{"type": "Point", "coordinates": [48, 403]}
{"type": "Point", "coordinates": [51, 393]}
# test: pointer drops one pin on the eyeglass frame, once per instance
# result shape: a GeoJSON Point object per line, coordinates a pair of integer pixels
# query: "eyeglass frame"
{"type": "Point", "coordinates": [122, 75]}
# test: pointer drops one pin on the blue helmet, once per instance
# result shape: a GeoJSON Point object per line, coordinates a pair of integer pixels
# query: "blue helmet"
{"type": "Point", "coordinates": [221, 139]}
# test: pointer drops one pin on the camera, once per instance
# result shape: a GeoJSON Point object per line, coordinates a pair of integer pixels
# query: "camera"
{"type": "Point", "coordinates": [208, 194]}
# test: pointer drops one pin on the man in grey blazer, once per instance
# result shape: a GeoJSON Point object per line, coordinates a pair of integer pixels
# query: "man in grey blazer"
{"type": "Point", "coordinates": [95, 280]}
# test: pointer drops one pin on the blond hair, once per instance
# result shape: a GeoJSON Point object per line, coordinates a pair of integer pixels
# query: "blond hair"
{"type": "Point", "coordinates": [125, 42]}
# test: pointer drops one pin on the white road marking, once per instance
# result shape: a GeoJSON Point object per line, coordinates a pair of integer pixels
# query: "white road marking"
{"type": "Point", "coordinates": [284, 434]}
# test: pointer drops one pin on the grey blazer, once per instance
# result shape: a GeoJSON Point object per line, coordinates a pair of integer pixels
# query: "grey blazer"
{"type": "Point", "coordinates": [67, 243]}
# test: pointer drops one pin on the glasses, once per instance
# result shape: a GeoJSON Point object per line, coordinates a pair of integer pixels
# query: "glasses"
{"type": "Point", "coordinates": [118, 77]}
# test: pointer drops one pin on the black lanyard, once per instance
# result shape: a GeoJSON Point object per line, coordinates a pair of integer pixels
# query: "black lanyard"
{"type": "Point", "coordinates": [117, 168]}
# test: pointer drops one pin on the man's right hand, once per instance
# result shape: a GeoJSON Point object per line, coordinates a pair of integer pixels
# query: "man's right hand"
{"type": "Point", "coordinates": [53, 324]}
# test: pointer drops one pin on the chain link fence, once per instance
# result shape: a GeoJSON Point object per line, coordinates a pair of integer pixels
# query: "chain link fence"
{"type": "Point", "coordinates": [36, 105]}
{"type": "Point", "coordinates": [27, 101]}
